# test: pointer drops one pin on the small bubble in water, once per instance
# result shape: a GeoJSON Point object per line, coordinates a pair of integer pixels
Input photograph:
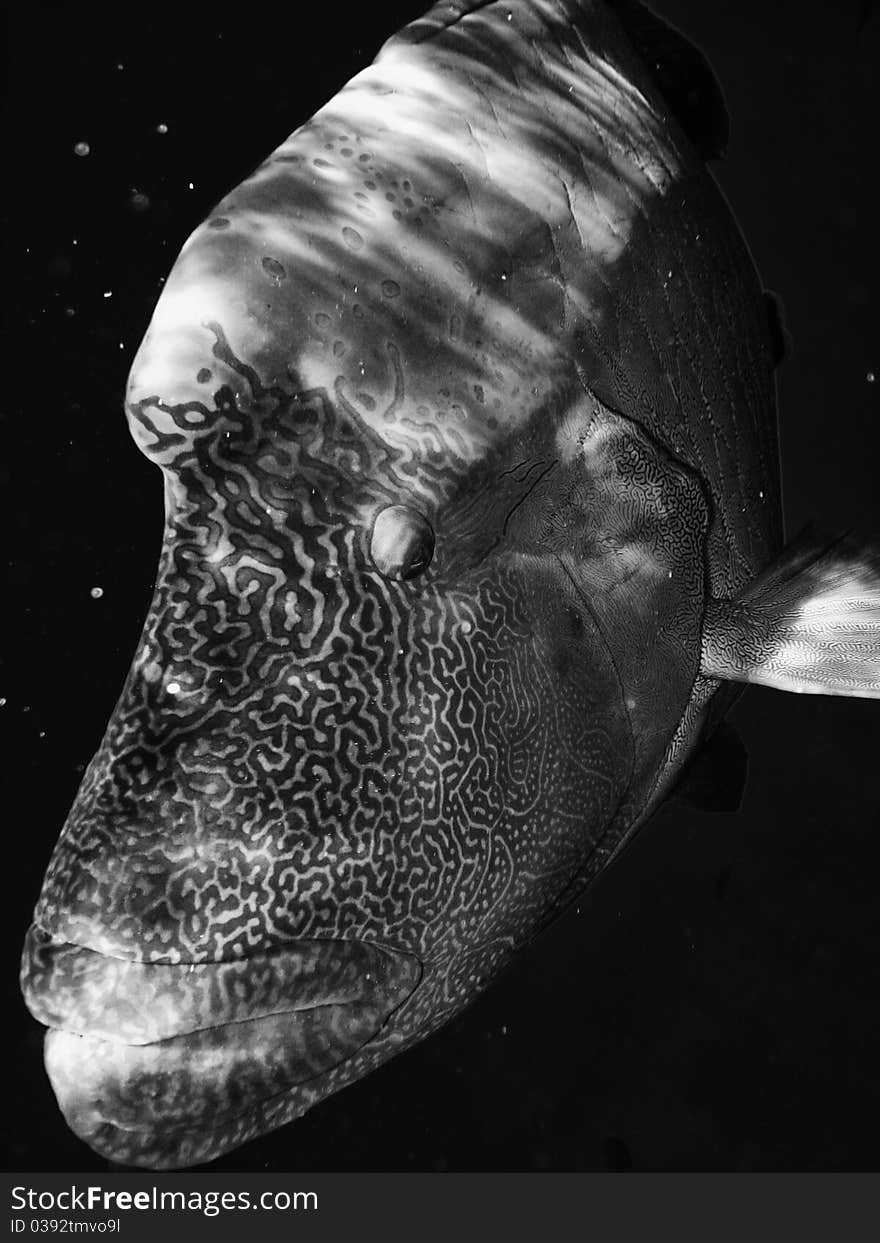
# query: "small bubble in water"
{"type": "Point", "coordinates": [3, 703]}
{"type": "Point", "coordinates": [162, 128]}
{"type": "Point", "coordinates": [96, 593]}
{"type": "Point", "coordinates": [82, 148]}
{"type": "Point", "coordinates": [68, 310]}
{"type": "Point", "coordinates": [870, 377]}
{"type": "Point", "coordinates": [139, 201]}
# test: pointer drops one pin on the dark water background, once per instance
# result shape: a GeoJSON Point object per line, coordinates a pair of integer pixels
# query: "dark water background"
{"type": "Point", "coordinates": [714, 1003]}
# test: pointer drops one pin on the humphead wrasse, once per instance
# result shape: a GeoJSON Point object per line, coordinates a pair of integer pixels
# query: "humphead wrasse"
{"type": "Point", "coordinates": [465, 407]}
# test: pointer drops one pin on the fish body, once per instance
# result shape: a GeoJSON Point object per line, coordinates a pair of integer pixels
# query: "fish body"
{"type": "Point", "coordinates": [465, 407]}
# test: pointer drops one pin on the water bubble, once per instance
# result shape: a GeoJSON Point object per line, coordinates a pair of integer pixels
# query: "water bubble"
{"type": "Point", "coordinates": [870, 377]}
{"type": "Point", "coordinates": [96, 593]}
{"type": "Point", "coordinates": [161, 128]}
{"type": "Point", "coordinates": [82, 148]}
{"type": "Point", "coordinates": [139, 201]}
{"type": "Point", "coordinates": [173, 688]}
{"type": "Point", "coordinates": [390, 289]}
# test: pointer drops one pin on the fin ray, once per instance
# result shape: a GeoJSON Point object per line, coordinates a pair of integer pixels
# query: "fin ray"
{"type": "Point", "coordinates": [810, 623]}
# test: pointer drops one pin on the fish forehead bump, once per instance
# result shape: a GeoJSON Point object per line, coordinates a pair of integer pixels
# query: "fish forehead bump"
{"type": "Point", "coordinates": [412, 253]}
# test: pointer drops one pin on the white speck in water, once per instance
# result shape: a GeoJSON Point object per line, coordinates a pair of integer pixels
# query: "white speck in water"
{"type": "Point", "coordinates": [42, 733]}
{"type": "Point", "coordinates": [108, 293]}
{"type": "Point", "coordinates": [761, 495]}
{"type": "Point", "coordinates": [120, 66]}
{"type": "Point", "coordinates": [870, 377]}
{"type": "Point", "coordinates": [173, 688]}
{"type": "Point", "coordinates": [96, 593]}
{"type": "Point", "coordinates": [504, 276]}
{"type": "Point", "coordinates": [161, 128]}
{"type": "Point", "coordinates": [82, 148]}
{"type": "Point", "coordinates": [3, 703]}
{"type": "Point", "coordinates": [191, 186]}
{"type": "Point", "coordinates": [68, 310]}
{"type": "Point", "coordinates": [504, 1031]}
{"type": "Point", "coordinates": [121, 346]}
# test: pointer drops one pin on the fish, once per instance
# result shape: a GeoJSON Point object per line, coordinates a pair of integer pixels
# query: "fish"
{"type": "Point", "coordinates": [465, 407]}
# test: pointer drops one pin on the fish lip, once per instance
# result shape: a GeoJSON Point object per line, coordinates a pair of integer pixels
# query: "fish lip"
{"type": "Point", "coordinates": [169, 1065]}
{"type": "Point", "coordinates": [115, 1112]}
{"type": "Point", "coordinates": [71, 987]}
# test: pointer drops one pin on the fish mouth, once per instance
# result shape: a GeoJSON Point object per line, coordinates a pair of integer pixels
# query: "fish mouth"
{"type": "Point", "coordinates": [168, 1065]}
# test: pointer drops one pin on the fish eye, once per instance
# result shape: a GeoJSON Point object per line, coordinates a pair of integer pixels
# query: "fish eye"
{"type": "Point", "coordinates": [401, 543]}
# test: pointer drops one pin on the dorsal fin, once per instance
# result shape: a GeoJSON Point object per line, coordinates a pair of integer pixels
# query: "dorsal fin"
{"type": "Point", "coordinates": [780, 337]}
{"type": "Point", "coordinates": [682, 74]}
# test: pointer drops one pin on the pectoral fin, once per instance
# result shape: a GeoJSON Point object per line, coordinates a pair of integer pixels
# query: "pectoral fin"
{"type": "Point", "coordinates": [715, 778]}
{"type": "Point", "coordinates": [810, 622]}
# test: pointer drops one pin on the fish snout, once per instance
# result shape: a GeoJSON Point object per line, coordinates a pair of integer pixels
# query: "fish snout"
{"type": "Point", "coordinates": [161, 1064]}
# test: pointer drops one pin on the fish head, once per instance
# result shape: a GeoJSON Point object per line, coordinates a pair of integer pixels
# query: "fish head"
{"type": "Point", "coordinates": [393, 690]}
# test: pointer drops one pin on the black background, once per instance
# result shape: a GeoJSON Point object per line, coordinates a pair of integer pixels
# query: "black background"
{"type": "Point", "coordinates": [714, 1002]}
